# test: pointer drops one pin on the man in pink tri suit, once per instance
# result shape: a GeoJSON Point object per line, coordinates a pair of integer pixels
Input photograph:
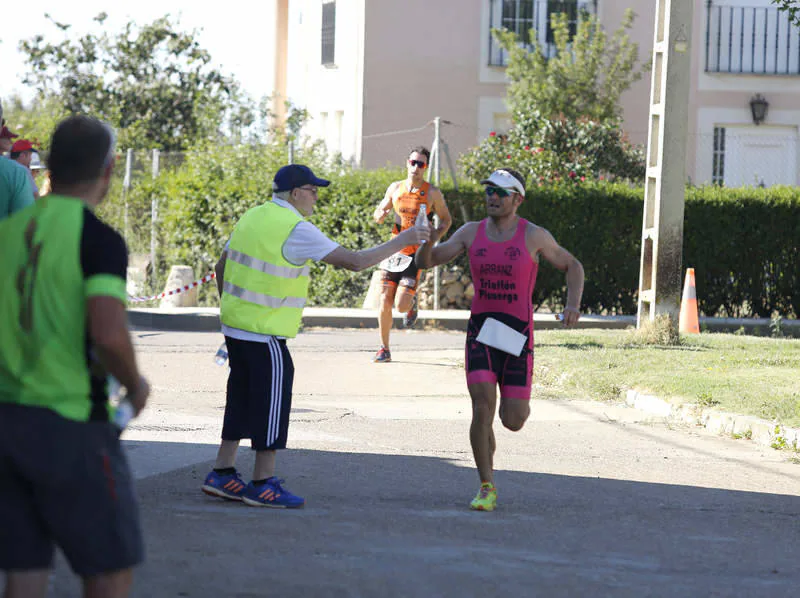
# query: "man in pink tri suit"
{"type": "Point", "coordinates": [504, 252]}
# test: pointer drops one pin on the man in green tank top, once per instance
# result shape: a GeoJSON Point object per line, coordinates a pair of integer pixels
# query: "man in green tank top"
{"type": "Point", "coordinates": [64, 479]}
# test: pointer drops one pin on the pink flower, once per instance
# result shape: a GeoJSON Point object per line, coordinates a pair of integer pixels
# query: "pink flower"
{"type": "Point", "coordinates": [492, 134]}
{"type": "Point", "coordinates": [539, 150]}
{"type": "Point", "coordinates": [508, 157]}
{"type": "Point", "coordinates": [583, 178]}
{"type": "Point", "coordinates": [527, 147]}
{"type": "Point", "coordinates": [572, 174]}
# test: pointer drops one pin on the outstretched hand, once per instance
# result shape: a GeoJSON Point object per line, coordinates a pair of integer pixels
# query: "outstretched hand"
{"type": "Point", "coordinates": [418, 234]}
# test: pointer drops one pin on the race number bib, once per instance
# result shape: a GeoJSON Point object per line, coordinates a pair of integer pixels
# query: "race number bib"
{"type": "Point", "coordinates": [501, 336]}
{"type": "Point", "coordinates": [396, 263]}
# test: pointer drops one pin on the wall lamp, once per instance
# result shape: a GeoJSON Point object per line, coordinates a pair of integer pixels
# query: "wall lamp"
{"type": "Point", "coordinates": [758, 106]}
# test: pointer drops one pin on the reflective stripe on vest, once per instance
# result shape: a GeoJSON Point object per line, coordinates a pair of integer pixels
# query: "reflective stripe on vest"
{"type": "Point", "coordinates": [262, 292]}
{"type": "Point", "coordinates": [261, 299]}
{"type": "Point", "coordinates": [266, 267]}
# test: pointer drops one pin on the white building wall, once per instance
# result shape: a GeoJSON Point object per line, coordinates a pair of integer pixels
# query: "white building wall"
{"type": "Point", "coordinates": [331, 94]}
{"type": "Point", "coordinates": [397, 65]}
{"type": "Point", "coordinates": [722, 99]}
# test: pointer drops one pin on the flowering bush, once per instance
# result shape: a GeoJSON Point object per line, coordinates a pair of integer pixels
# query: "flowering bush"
{"type": "Point", "coordinates": [556, 150]}
{"type": "Point", "coordinates": [565, 105]}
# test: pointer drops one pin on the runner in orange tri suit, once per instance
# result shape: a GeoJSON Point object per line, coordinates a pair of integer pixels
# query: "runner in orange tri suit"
{"type": "Point", "coordinates": [405, 198]}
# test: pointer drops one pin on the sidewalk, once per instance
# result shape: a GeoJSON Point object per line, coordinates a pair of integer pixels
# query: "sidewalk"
{"type": "Point", "coordinates": [206, 319]}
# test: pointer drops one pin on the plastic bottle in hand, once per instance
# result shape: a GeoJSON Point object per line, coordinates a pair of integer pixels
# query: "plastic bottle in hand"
{"type": "Point", "coordinates": [123, 413]}
{"type": "Point", "coordinates": [222, 355]}
{"type": "Point", "coordinates": [422, 218]}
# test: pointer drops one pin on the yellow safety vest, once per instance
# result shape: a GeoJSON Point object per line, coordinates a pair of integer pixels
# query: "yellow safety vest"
{"type": "Point", "coordinates": [262, 292]}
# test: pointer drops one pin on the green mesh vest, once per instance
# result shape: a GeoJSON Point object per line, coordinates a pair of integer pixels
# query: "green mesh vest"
{"type": "Point", "coordinates": [263, 292]}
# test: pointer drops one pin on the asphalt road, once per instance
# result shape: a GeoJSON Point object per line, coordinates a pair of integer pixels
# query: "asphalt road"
{"type": "Point", "coordinates": [594, 499]}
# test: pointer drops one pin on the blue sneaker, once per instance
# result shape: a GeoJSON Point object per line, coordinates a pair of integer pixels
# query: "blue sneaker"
{"type": "Point", "coordinates": [230, 487]}
{"type": "Point", "coordinates": [271, 494]}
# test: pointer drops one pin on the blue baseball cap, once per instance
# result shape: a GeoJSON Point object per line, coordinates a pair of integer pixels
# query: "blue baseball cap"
{"type": "Point", "coordinates": [293, 176]}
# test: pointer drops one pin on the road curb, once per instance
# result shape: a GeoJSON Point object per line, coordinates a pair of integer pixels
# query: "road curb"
{"type": "Point", "coordinates": [206, 319]}
{"type": "Point", "coordinates": [721, 423]}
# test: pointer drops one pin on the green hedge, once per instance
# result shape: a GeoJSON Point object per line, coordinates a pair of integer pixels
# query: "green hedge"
{"type": "Point", "coordinates": [743, 243]}
{"type": "Point", "coordinates": [344, 212]}
{"type": "Point", "coordinates": [745, 247]}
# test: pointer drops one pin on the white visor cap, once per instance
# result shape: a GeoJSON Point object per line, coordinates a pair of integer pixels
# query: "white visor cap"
{"type": "Point", "coordinates": [36, 162]}
{"type": "Point", "coordinates": [506, 180]}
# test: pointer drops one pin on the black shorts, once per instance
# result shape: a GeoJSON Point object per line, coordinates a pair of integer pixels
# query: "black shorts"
{"type": "Point", "coordinates": [513, 374]}
{"type": "Point", "coordinates": [409, 277]}
{"type": "Point", "coordinates": [259, 396]}
{"type": "Point", "coordinates": [65, 483]}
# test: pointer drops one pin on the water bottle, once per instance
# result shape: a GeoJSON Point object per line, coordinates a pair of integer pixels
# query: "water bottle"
{"type": "Point", "coordinates": [123, 413]}
{"type": "Point", "coordinates": [222, 355]}
{"type": "Point", "coordinates": [422, 216]}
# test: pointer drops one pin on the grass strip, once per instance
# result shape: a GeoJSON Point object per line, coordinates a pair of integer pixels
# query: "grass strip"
{"type": "Point", "coordinates": [747, 375]}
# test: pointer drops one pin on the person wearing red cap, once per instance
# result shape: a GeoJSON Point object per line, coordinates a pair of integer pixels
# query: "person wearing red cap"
{"type": "Point", "coordinates": [15, 185]}
{"type": "Point", "coordinates": [22, 153]}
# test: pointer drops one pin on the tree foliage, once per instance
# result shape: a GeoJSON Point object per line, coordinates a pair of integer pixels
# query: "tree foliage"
{"type": "Point", "coordinates": [565, 109]}
{"type": "Point", "coordinates": [36, 120]}
{"type": "Point", "coordinates": [154, 83]}
{"type": "Point", "coordinates": [558, 149]}
{"type": "Point", "coordinates": [791, 8]}
{"type": "Point", "coordinates": [585, 78]}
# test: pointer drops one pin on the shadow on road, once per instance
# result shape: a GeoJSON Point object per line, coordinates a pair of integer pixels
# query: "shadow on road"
{"type": "Point", "coordinates": [390, 525]}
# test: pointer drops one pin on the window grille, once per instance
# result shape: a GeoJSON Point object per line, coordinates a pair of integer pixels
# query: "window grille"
{"type": "Point", "coordinates": [718, 163]}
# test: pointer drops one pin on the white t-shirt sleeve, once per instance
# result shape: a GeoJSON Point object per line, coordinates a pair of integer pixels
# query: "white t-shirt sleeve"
{"type": "Point", "coordinates": [307, 242]}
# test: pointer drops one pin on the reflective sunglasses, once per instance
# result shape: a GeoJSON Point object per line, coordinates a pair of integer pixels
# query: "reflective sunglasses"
{"type": "Point", "coordinates": [500, 191]}
{"type": "Point", "coordinates": [419, 163]}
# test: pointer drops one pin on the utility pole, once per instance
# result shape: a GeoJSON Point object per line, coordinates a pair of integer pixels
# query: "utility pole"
{"type": "Point", "coordinates": [126, 187]}
{"type": "Point", "coordinates": [154, 217]}
{"type": "Point", "coordinates": [665, 186]}
{"type": "Point", "coordinates": [435, 152]}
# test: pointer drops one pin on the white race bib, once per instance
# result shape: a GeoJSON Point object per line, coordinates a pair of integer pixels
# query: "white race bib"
{"type": "Point", "coordinates": [500, 336]}
{"type": "Point", "coordinates": [396, 263]}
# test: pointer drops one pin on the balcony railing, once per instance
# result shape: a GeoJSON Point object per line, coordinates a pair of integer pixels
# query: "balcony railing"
{"type": "Point", "coordinates": [530, 20]}
{"type": "Point", "coordinates": [750, 40]}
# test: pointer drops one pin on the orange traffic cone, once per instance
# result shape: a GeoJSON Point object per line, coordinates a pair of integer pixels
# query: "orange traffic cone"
{"type": "Point", "coordinates": [688, 322]}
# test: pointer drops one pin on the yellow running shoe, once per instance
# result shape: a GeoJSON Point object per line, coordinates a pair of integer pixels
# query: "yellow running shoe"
{"type": "Point", "coordinates": [486, 499]}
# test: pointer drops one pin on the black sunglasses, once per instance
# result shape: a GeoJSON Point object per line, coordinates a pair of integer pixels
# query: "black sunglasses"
{"type": "Point", "coordinates": [501, 193]}
{"type": "Point", "coordinates": [419, 163]}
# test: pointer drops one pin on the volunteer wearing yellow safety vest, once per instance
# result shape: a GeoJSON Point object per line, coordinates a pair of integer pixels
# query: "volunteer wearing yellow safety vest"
{"type": "Point", "coordinates": [263, 278]}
